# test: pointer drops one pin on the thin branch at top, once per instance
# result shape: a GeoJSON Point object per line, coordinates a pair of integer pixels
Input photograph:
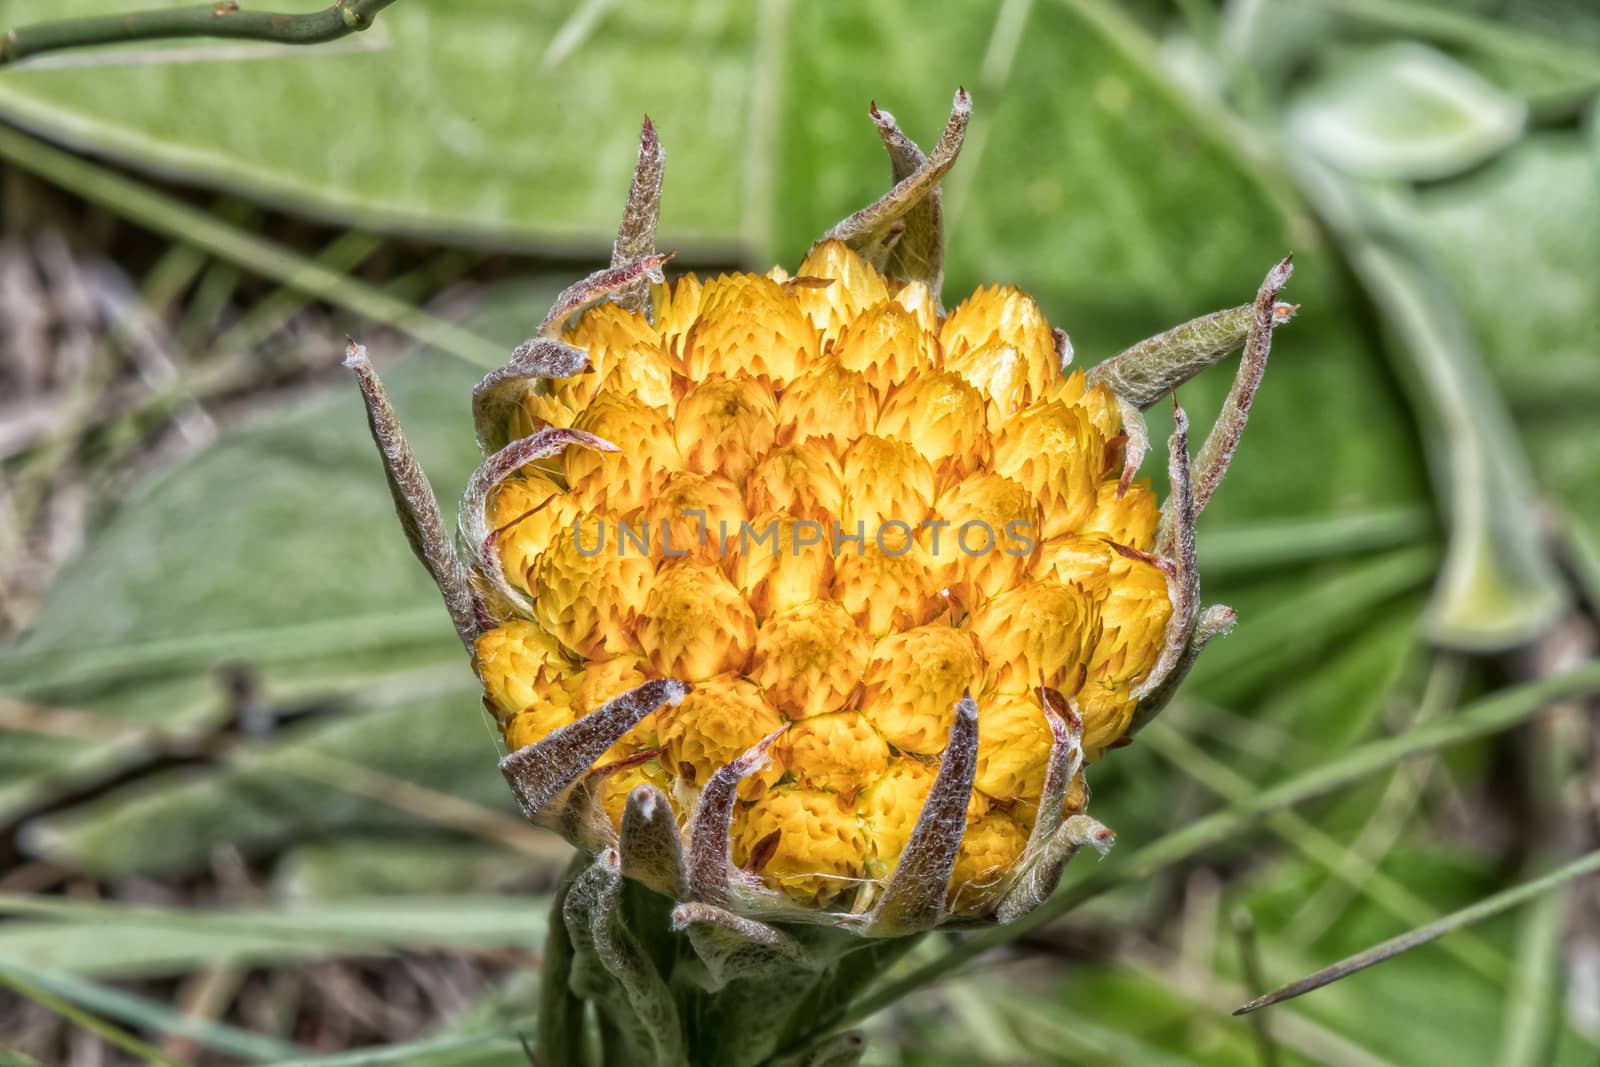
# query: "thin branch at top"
{"type": "Point", "coordinates": [221, 19]}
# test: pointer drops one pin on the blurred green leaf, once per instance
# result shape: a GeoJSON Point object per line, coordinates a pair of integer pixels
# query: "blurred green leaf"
{"type": "Point", "coordinates": [107, 939]}
{"type": "Point", "coordinates": [441, 117]}
{"type": "Point", "coordinates": [1403, 111]}
{"type": "Point", "coordinates": [276, 550]}
{"type": "Point", "coordinates": [1532, 300]}
{"type": "Point", "coordinates": [365, 864]}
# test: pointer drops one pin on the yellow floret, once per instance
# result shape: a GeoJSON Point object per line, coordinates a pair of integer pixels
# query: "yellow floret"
{"type": "Point", "coordinates": [813, 847]}
{"type": "Point", "coordinates": [803, 480]}
{"type": "Point", "coordinates": [838, 752]}
{"type": "Point", "coordinates": [989, 852]}
{"type": "Point", "coordinates": [990, 538]}
{"type": "Point", "coordinates": [998, 340]}
{"type": "Point", "coordinates": [885, 591]}
{"type": "Point", "coordinates": [625, 358]}
{"type": "Point", "coordinates": [810, 659]}
{"type": "Point", "coordinates": [626, 479]}
{"type": "Point", "coordinates": [715, 724]}
{"type": "Point", "coordinates": [888, 345]}
{"type": "Point", "coordinates": [695, 625]}
{"type": "Point", "coordinates": [1013, 747]}
{"type": "Point", "coordinates": [676, 307]}
{"type": "Point", "coordinates": [526, 514]}
{"type": "Point", "coordinates": [888, 490]}
{"type": "Point", "coordinates": [914, 682]}
{"type": "Point", "coordinates": [782, 562]}
{"type": "Point", "coordinates": [1037, 630]}
{"type": "Point", "coordinates": [828, 404]}
{"type": "Point", "coordinates": [725, 426]}
{"type": "Point", "coordinates": [520, 665]}
{"type": "Point", "coordinates": [692, 517]}
{"type": "Point", "coordinates": [1054, 450]}
{"type": "Point", "coordinates": [890, 806]}
{"type": "Point", "coordinates": [942, 416]}
{"type": "Point", "coordinates": [1130, 521]}
{"type": "Point", "coordinates": [536, 722]}
{"type": "Point", "coordinates": [855, 286]}
{"type": "Point", "coordinates": [749, 326]}
{"type": "Point", "coordinates": [587, 597]}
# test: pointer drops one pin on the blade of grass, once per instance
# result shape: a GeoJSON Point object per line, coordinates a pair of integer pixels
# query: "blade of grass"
{"type": "Point", "coordinates": [1317, 846]}
{"type": "Point", "coordinates": [1498, 587]}
{"type": "Point", "coordinates": [150, 1015]}
{"type": "Point", "coordinates": [1484, 909]}
{"type": "Point", "coordinates": [1244, 932]}
{"type": "Point", "coordinates": [1236, 550]}
{"type": "Point", "coordinates": [1483, 718]}
{"type": "Point", "coordinates": [168, 215]}
{"type": "Point", "coordinates": [1531, 1000]}
{"type": "Point", "coordinates": [1489, 36]}
{"type": "Point", "coordinates": [1271, 640]}
{"type": "Point", "coordinates": [1214, 995]}
{"type": "Point", "coordinates": [508, 831]}
{"type": "Point", "coordinates": [110, 1034]}
{"type": "Point", "coordinates": [1394, 808]}
{"type": "Point", "coordinates": [422, 1053]}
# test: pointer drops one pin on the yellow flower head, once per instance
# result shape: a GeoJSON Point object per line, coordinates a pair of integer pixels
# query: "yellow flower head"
{"type": "Point", "coordinates": [825, 565]}
{"type": "Point", "coordinates": [931, 520]}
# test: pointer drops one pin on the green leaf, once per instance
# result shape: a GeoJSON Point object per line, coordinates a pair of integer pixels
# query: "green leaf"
{"type": "Point", "coordinates": [1404, 111]}
{"type": "Point", "coordinates": [493, 134]}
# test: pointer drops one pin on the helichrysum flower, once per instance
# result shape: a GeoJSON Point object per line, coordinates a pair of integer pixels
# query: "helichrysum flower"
{"type": "Point", "coordinates": [797, 595]}
{"type": "Point", "coordinates": [957, 489]}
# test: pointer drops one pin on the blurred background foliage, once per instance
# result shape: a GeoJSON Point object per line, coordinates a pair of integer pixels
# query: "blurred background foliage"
{"type": "Point", "coordinates": [250, 815]}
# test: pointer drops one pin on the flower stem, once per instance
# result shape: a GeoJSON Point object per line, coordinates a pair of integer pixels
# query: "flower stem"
{"type": "Point", "coordinates": [220, 19]}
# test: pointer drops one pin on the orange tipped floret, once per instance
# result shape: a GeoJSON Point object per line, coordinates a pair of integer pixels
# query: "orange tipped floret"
{"type": "Point", "coordinates": [837, 752]}
{"type": "Point", "coordinates": [1037, 630]}
{"type": "Point", "coordinates": [828, 403]}
{"type": "Point", "coordinates": [725, 426]}
{"type": "Point", "coordinates": [588, 595]}
{"type": "Point", "coordinates": [526, 515]}
{"type": "Point", "coordinates": [519, 664]}
{"type": "Point", "coordinates": [1054, 450]}
{"type": "Point", "coordinates": [803, 480]}
{"type": "Point", "coordinates": [783, 562]}
{"type": "Point", "coordinates": [626, 357]}
{"type": "Point", "coordinates": [989, 852]}
{"type": "Point", "coordinates": [943, 418]}
{"type": "Point", "coordinates": [889, 346]}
